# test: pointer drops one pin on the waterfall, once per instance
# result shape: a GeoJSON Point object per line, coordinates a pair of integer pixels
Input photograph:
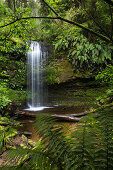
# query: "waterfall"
{"type": "Point", "coordinates": [37, 90]}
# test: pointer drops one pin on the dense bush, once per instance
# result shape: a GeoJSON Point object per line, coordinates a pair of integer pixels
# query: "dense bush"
{"type": "Point", "coordinates": [84, 55]}
{"type": "Point", "coordinates": [106, 76]}
{"type": "Point", "coordinates": [4, 102]}
{"type": "Point", "coordinates": [6, 132]}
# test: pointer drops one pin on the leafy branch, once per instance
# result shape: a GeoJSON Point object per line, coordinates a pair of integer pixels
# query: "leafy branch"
{"type": "Point", "coordinates": [65, 20]}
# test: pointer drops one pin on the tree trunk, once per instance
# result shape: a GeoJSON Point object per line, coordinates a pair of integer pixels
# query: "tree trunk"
{"type": "Point", "coordinates": [25, 3]}
{"type": "Point", "coordinates": [14, 6]}
{"type": "Point", "coordinates": [9, 3]}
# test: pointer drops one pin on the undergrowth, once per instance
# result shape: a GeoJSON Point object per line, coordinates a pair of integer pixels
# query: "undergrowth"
{"type": "Point", "coordinates": [88, 147]}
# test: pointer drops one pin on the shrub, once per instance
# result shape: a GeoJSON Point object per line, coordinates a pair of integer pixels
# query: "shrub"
{"type": "Point", "coordinates": [106, 76]}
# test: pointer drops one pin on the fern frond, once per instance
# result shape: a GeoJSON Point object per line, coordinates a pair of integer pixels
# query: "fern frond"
{"type": "Point", "coordinates": [54, 139]}
{"type": "Point", "coordinates": [90, 146]}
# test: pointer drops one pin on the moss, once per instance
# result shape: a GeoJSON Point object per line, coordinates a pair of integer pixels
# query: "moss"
{"type": "Point", "coordinates": [89, 96]}
{"type": "Point", "coordinates": [59, 71]}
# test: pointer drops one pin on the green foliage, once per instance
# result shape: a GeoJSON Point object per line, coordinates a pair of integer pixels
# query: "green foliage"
{"type": "Point", "coordinates": [62, 44]}
{"type": "Point", "coordinates": [106, 98]}
{"type": "Point", "coordinates": [51, 74]}
{"type": "Point", "coordinates": [104, 152]}
{"type": "Point", "coordinates": [12, 81]}
{"type": "Point", "coordinates": [12, 72]}
{"type": "Point", "coordinates": [6, 132]}
{"type": "Point", "coordinates": [4, 102]}
{"type": "Point", "coordinates": [12, 95]}
{"type": "Point", "coordinates": [84, 55]}
{"type": "Point", "coordinates": [106, 76]}
{"type": "Point", "coordinates": [88, 146]}
{"type": "Point", "coordinates": [109, 92]}
{"type": "Point", "coordinates": [14, 36]}
{"type": "Point", "coordinates": [17, 79]}
{"type": "Point", "coordinates": [53, 70]}
{"type": "Point", "coordinates": [86, 52]}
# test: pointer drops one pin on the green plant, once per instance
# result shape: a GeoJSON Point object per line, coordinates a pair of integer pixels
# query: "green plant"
{"type": "Point", "coordinates": [88, 146]}
{"type": "Point", "coordinates": [83, 54]}
{"type": "Point", "coordinates": [14, 36]}
{"type": "Point", "coordinates": [106, 98]}
{"type": "Point", "coordinates": [6, 132]}
{"type": "Point", "coordinates": [63, 43]}
{"type": "Point", "coordinates": [13, 72]}
{"type": "Point", "coordinates": [8, 95]}
{"type": "Point", "coordinates": [106, 76]}
{"type": "Point", "coordinates": [4, 102]}
{"type": "Point", "coordinates": [51, 74]}
{"type": "Point", "coordinates": [53, 70]}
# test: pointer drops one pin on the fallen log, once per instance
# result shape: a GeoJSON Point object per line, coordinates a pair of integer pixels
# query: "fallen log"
{"type": "Point", "coordinates": [80, 114]}
{"type": "Point", "coordinates": [66, 118]}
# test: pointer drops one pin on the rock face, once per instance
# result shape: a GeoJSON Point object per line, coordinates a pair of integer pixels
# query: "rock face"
{"type": "Point", "coordinates": [59, 71]}
{"type": "Point", "coordinates": [67, 71]}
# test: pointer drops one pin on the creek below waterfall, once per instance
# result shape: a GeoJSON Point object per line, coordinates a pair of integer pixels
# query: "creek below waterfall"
{"type": "Point", "coordinates": [28, 119]}
{"type": "Point", "coordinates": [70, 98]}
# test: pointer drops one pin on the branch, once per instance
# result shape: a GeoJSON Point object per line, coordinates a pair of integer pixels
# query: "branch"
{"type": "Point", "coordinates": [109, 2]}
{"type": "Point", "coordinates": [92, 17]}
{"type": "Point", "coordinates": [111, 13]}
{"type": "Point", "coordinates": [65, 20]}
{"type": "Point", "coordinates": [18, 19]}
{"type": "Point", "coordinates": [50, 7]}
{"type": "Point", "coordinates": [87, 29]}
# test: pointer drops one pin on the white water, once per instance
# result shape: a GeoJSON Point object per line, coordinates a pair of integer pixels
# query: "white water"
{"type": "Point", "coordinates": [37, 90]}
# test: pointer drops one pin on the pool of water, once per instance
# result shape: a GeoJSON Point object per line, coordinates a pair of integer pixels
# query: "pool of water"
{"type": "Point", "coordinates": [28, 118]}
{"type": "Point", "coordinates": [63, 99]}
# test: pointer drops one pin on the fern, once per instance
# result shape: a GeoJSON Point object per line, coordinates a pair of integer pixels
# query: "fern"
{"type": "Point", "coordinates": [105, 152]}
{"type": "Point", "coordinates": [54, 140]}
{"type": "Point", "coordinates": [82, 146]}
{"type": "Point", "coordinates": [90, 146]}
{"type": "Point", "coordinates": [6, 132]}
{"type": "Point", "coordinates": [53, 154]}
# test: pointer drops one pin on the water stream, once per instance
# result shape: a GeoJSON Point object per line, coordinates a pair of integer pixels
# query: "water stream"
{"type": "Point", "coordinates": [36, 87]}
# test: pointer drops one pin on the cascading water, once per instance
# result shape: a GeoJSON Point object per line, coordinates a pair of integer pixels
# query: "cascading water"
{"type": "Point", "coordinates": [37, 90]}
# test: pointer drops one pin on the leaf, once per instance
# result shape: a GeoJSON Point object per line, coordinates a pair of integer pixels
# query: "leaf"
{"type": "Point", "coordinates": [74, 52]}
